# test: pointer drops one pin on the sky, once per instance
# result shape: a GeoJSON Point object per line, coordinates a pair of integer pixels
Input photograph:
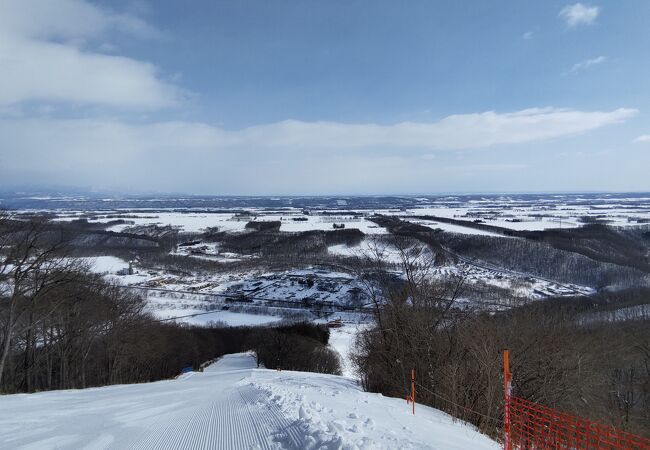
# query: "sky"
{"type": "Point", "coordinates": [257, 97]}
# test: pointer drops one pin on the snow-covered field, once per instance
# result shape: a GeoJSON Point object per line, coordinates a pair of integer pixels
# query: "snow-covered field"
{"type": "Point", "coordinates": [210, 251]}
{"type": "Point", "coordinates": [196, 222]}
{"type": "Point", "coordinates": [198, 310]}
{"type": "Point", "coordinates": [105, 264]}
{"type": "Point", "coordinates": [451, 228]}
{"type": "Point", "coordinates": [539, 212]}
{"type": "Point", "coordinates": [515, 211]}
{"type": "Point", "coordinates": [230, 406]}
{"type": "Point", "coordinates": [207, 318]}
{"type": "Point", "coordinates": [529, 217]}
{"type": "Point", "coordinates": [522, 218]}
{"type": "Point", "coordinates": [186, 221]}
{"type": "Point", "coordinates": [332, 286]}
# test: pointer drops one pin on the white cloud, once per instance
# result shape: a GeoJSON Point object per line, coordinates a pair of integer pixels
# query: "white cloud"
{"type": "Point", "coordinates": [44, 57]}
{"type": "Point", "coordinates": [644, 138]}
{"type": "Point", "coordinates": [277, 157]}
{"type": "Point", "coordinates": [579, 14]}
{"type": "Point", "coordinates": [528, 35]}
{"type": "Point", "coordinates": [57, 143]}
{"type": "Point", "coordinates": [494, 167]}
{"type": "Point", "coordinates": [456, 132]}
{"type": "Point", "coordinates": [582, 65]}
{"type": "Point", "coordinates": [67, 19]}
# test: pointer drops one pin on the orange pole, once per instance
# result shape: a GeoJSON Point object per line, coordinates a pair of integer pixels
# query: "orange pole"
{"type": "Point", "coordinates": [507, 376]}
{"type": "Point", "coordinates": [413, 389]}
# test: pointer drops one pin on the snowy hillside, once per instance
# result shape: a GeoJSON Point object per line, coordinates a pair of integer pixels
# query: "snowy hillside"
{"type": "Point", "coordinates": [230, 406]}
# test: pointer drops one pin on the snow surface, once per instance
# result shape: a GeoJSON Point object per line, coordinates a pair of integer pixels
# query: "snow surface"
{"type": "Point", "coordinates": [210, 251]}
{"type": "Point", "coordinates": [373, 247]}
{"type": "Point", "coordinates": [166, 307]}
{"type": "Point", "coordinates": [189, 222]}
{"type": "Point", "coordinates": [196, 222]}
{"type": "Point", "coordinates": [327, 223]}
{"type": "Point", "coordinates": [342, 340]}
{"type": "Point", "coordinates": [452, 228]}
{"type": "Point", "coordinates": [368, 248]}
{"type": "Point", "coordinates": [105, 264]}
{"type": "Point", "coordinates": [233, 319]}
{"type": "Point", "coordinates": [230, 406]}
{"type": "Point", "coordinates": [519, 213]}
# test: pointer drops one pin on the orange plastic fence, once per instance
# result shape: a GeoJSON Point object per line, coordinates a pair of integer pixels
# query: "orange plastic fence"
{"type": "Point", "coordinates": [533, 426]}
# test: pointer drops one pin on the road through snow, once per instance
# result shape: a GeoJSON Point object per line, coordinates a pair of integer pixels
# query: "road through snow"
{"type": "Point", "coordinates": [230, 406]}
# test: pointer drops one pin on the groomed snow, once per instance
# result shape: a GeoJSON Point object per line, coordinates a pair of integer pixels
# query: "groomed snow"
{"type": "Point", "coordinates": [230, 406]}
{"type": "Point", "coordinates": [342, 340]}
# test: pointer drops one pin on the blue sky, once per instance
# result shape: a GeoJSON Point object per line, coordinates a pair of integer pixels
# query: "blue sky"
{"type": "Point", "coordinates": [325, 97]}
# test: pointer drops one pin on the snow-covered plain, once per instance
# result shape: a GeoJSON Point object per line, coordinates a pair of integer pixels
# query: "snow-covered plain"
{"type": "Point", "coordinates": [510, 211]}
{"type": "Point", "coordinates": [105, 264]}
{"type": "Point", "coordinates": [192, 222]}
{"type": "Point", "coordinates": [516, 216]}
{"type": "Point", "coordinates": [207, 318]}
{"type": "Point", "coordinates": [210, 251]}
{"type": "Point", "coordinates": [230, 406]}
{"type": "Point", "coordinates": [451, 228]}
{"type": "Point", "coordinates": [515, 211]}
{"type": "Point", "coordinates": [198, 310]}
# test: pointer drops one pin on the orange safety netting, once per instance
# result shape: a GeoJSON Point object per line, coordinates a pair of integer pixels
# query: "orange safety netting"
{"type": "Point", "coordinates": [533, 426]}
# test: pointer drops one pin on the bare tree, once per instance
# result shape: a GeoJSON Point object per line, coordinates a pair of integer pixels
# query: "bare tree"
{"type": "Point", "coordinates": [412, 308]}
{"type": "Point", "coordinates": [32, 263]}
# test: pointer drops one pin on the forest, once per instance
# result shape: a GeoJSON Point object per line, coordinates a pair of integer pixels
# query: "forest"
{"type": "Point", "coordinates": [64, 327]}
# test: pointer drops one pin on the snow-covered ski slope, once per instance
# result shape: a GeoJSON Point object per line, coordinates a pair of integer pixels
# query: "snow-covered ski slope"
{"type": "Point", "coordinates": [230, 406]}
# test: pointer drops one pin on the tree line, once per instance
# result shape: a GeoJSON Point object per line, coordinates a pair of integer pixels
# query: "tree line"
{"type": "Point", "coordinates": [62, 327]}
{"type": "Point", "coordinates": [596, 369]}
